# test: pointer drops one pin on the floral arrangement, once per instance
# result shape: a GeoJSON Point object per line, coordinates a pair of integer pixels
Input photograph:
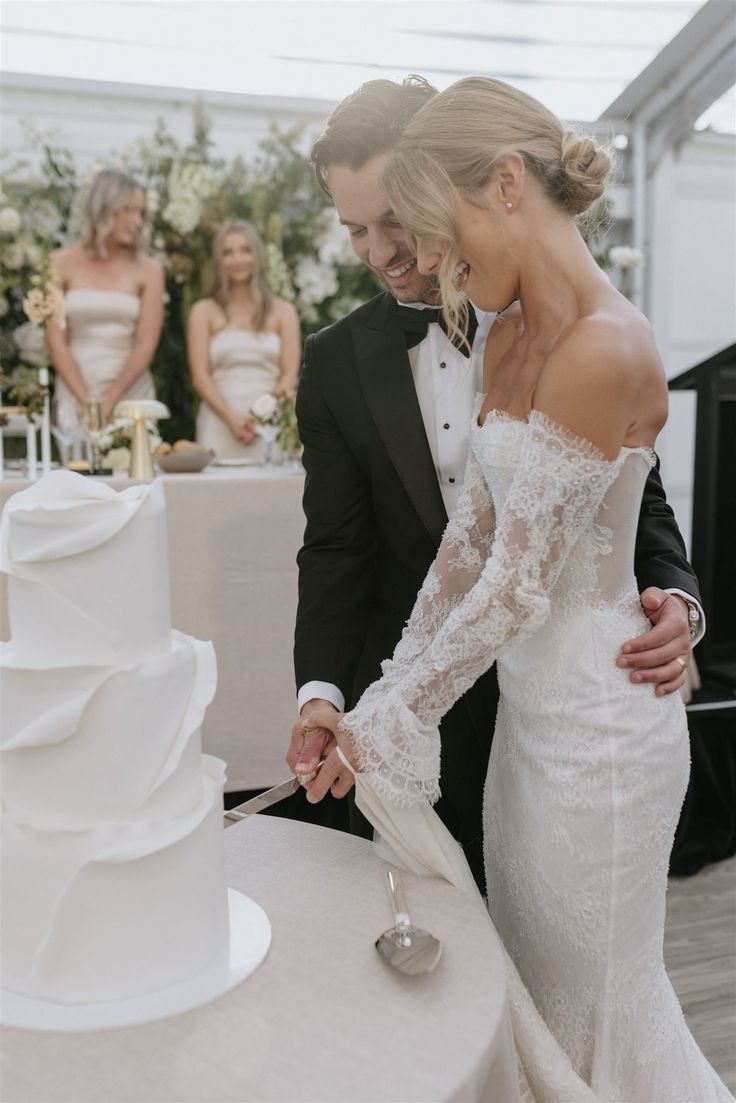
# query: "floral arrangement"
{"type": "Point", "coordinates": [279, 416]}
{"type": "Point", "coordinates": [191, 191]}
{"type": "Point", "coordinates": [265, 409]}
{"type": "Point", "coordinates": [626, 258]}
{"type": "Point", "coordinates": [116, 440]}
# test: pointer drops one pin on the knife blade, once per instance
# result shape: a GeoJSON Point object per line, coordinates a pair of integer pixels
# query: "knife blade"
{"type": "Point", "coordinates": [264, 800]}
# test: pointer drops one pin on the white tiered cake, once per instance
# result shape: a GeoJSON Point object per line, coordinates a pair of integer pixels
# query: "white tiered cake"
{"type": "Point", "coordinates": [112, 843]}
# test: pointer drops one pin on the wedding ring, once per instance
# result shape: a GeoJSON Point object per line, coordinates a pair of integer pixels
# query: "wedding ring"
{"type": "Point", "coordinates": [682, 661]}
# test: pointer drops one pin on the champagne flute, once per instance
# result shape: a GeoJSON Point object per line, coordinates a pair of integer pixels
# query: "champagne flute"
{"type": "Point", "coordinates": [94, 422]}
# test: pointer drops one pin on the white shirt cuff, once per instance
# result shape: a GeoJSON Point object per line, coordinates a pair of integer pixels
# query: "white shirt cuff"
{"type": "Point", "coordinates": [701, 624]}
{"type": "Point", "coordinates": [324, 690]}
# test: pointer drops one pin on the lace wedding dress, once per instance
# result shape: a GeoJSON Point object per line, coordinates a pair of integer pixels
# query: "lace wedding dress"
{"type": "Point", "coordinates": [587, 771]}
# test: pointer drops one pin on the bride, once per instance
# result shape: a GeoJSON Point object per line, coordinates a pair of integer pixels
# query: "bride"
{"type": "Point", "coordinates": [535, 572]}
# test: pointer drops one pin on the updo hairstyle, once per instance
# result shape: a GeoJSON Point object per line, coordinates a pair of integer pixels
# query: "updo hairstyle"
{"type": "Point", "coordinates": [452, 146]}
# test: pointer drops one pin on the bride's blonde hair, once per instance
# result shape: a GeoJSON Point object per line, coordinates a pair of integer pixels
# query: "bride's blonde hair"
{"type": "Point", "coordinates": [451, 147]}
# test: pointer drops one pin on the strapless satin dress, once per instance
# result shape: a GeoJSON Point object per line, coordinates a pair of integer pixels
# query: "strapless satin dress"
{"type": "Point", "coordinates": [244, 366]}
{"type": "Point", "coordinates": [101, 330]}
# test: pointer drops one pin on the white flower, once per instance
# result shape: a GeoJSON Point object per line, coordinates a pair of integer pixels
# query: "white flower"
{"type": "Point", "coordinates": [264, 407]}
{"type": "Point", "coordinates": [316, 281]}
{"type": "Point", "coordinates": [118, 459]}
{"type": "Point", "coordinates": [333, 241]}
{"type": "Point", "coordinates": [29, 341]}
{"type": "Point", "coordinates": [183, 215]}
{"type": "Point", "coordinates": [153, 201]}
{"type": "Point", "coordinates": [33, 253]}
{"type": "Point", "coordinates": [159, 242]}
{"type": "Point", "coordinates": [625, 257]}
{"type": "Point", "coordinates": [10, 221]}
{"type": "Point", "coordinates": [4, 306]}
{"type": "Point", "coordinates": [13, 256]}
{"type": "Point", "coordinates": [278, 273]}
{"type": "Point", "coordinates": [44, 218]}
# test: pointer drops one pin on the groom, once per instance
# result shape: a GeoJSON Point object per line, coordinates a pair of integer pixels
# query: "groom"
{"type": "Point", "coordinates": [384, 408]}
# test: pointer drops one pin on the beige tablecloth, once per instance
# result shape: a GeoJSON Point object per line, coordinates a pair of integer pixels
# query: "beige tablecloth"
{"type": "Point", "coordinates": [324, 1018]}
{"type": "Point", "coordinates": [233, 538]}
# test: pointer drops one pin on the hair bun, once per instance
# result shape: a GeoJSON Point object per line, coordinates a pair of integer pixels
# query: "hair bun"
{"type": "Point", "coordinates": [586, 166]}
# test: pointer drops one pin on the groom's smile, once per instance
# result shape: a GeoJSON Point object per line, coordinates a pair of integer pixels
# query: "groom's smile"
{"type": "Point", "coordinates": [375, 234]}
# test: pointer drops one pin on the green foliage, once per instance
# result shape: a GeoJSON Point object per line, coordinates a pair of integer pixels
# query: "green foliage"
{"type": "Point", "coordinates": [191, 191]}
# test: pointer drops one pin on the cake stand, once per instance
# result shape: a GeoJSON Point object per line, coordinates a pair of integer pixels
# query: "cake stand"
{"type": "Point", "coordinates": [250, 939]}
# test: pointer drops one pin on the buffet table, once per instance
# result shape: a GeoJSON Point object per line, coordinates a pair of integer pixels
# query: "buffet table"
{"type": "Point", "coordinates": [324, 1018]}
{"type": "Point", "coordinates": [233, 538]}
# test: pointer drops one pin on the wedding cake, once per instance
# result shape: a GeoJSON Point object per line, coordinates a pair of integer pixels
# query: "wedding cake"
{"type": "Point", "coordinates": [112, 843]}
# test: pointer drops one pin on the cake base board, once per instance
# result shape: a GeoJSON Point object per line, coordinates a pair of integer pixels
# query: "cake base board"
{"type": "Point", "coordinates": [250, 939]}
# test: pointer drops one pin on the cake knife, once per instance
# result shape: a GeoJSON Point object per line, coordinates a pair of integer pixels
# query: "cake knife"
{"type": "Point", "coordinates": [265, 800]}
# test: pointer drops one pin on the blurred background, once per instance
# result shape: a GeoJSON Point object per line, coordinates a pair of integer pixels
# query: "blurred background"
{"type": "Point", "coordinates": [239, 89]}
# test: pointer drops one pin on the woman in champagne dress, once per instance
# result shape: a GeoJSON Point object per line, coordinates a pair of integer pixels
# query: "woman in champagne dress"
{"type": "Point", "coordinates": [243, 341]}
{"type": "Point", "coordinates": [114, 304]}
{"type": "Point", "coordinates": [535, 572]}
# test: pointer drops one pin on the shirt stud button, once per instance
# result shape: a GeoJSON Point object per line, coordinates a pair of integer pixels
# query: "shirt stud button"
{"type": "Point", "coordinates": [451, 480]}
{"type": "Point", "coordinates": [446, 425]}
{"type": "Point", "coordinates": [443, 364]}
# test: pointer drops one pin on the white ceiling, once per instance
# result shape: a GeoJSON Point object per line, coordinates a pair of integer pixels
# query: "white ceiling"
{"type": "Point", "coordinates": [574, 55]}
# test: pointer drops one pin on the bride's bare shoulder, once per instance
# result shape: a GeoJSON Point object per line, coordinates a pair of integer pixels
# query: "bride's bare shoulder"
{"type": "Point", "coordinates": [604, 379]}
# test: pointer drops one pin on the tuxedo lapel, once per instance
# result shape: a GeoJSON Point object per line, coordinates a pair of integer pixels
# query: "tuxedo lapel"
{"type": "Point", "coordinates": [386, 379]}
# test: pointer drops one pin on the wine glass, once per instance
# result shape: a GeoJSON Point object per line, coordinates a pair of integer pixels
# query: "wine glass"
{"type": "Point", "coordinates": [94, 422]}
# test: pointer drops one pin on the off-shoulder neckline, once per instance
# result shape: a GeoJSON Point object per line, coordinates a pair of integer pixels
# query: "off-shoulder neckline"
{"type": "Point", "coordinates": [497, 414]}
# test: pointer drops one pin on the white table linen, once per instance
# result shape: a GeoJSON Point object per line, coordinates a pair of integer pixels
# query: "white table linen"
{"type": "Point", "coordinates": [324, 1018]}
{"type": "Point", "coordinates": [233, 538]}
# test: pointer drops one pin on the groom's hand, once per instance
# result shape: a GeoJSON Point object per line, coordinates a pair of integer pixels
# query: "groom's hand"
{"type": "Point", "coordinates": [658, 655]}
{"type": "Point", "coordinates": [309, 746]}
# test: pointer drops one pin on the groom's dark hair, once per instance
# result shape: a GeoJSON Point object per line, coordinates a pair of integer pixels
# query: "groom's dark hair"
{"type": "Point", "coordinates": [368, 122]}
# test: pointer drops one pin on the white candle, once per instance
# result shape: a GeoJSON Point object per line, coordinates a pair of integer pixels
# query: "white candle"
{"type": "Point", "coordinates": [43, 378]}
{"type": "Point", "coordinates": [31, 458]}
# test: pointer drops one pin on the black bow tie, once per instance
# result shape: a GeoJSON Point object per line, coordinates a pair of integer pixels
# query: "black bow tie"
{"type": "Point", "coordinates": [415, 323]}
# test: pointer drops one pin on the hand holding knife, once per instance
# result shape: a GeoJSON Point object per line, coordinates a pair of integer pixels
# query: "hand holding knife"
{"type": "Point", "coordinates": [270, 797]}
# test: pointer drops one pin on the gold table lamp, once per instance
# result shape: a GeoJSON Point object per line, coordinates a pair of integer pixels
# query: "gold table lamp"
{"type": "Point", "coordinates": [139, 411]}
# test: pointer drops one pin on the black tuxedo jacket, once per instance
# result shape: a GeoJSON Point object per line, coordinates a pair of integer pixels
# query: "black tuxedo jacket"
{"type": "Point", "coordinates": [375, 518]}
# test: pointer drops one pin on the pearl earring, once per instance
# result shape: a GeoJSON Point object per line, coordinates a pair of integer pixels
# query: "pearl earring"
{"type": "Point", "coordinates": [509, 205]}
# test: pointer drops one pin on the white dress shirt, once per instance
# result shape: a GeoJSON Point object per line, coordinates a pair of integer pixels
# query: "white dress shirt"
{"type": "Point", "coordinates": [446, 383]}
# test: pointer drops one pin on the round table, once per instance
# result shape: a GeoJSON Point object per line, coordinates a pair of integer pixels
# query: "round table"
{"type": "Point", "coordinates": [324, 1018]}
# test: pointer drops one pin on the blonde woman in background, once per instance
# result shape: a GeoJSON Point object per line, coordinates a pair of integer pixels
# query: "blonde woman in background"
{"type": "Point", "coordinates": [243, 341]}
{"type": "Point", "coordinates": [114, 299]}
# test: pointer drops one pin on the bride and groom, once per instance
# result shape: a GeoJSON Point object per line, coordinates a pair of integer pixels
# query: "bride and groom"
{"type": "Point", "coordinates": [557, 522]}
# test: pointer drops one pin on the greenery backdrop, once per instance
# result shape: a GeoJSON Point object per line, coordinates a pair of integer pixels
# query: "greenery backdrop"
{"type": "Point", "coordinates": [191, 192]}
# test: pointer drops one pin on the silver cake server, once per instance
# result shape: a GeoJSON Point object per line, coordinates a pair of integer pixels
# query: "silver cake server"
{"type": "Point", "coordinates": [404, 946]}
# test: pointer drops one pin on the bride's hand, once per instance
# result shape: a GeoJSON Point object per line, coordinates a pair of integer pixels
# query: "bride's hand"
{"type": "Point", "coordinates": [334, 776]}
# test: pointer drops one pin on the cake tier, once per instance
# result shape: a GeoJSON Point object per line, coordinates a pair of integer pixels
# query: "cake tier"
{"type": "Point", "coordinates": [87, 572]}
{"type": "Point", "coordinates": [88, 745]}
{"type": "Point", "coordinates": [118, 910]}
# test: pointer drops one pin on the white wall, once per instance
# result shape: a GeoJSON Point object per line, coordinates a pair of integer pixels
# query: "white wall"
{"type": "Point", "coordinates": [96, 119]}
{"type": "Point", "coordinates": [691, 285]}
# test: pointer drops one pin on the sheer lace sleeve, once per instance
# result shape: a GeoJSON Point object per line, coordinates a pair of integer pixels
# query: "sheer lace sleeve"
{"type": "Point", "coordinates": [488, 588]}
